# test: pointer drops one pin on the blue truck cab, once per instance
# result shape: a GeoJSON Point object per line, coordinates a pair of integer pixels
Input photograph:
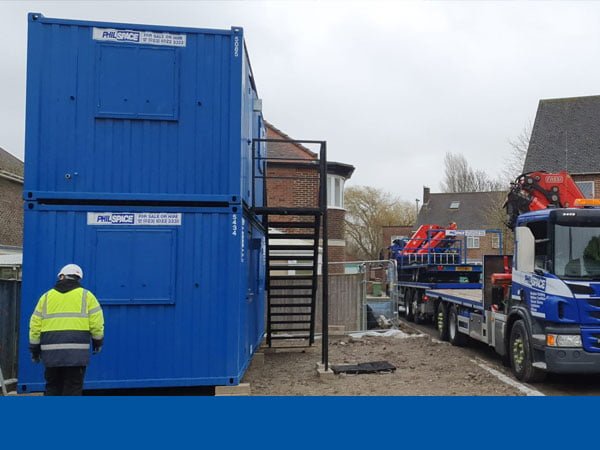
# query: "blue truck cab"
{"type": "Point", "coordinates": [555, 291]}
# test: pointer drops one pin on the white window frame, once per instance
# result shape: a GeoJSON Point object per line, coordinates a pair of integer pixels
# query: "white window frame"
{"type": "Point", "coordinates": [579, 183]}
{"type": "Point", "coordinates": [473, 242]}
{"type": "Point", "coordinates": [334, 201]}
{"type": "Point", "coordinates": [495, 240]}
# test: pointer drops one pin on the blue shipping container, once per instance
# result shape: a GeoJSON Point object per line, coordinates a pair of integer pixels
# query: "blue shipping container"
{"type": "Point", "coordinates": [182, 290]}
{"type": "Point", "coordinates": [139, 112]}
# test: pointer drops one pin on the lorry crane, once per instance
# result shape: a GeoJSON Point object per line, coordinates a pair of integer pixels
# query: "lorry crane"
{"type": "Point", "coordinates": [433, 258]}
{"type": "Point", "coordinates": [539, 309]}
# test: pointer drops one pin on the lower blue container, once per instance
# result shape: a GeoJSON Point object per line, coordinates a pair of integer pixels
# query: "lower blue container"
{"type": "Point", "coordinates": [182, 290]}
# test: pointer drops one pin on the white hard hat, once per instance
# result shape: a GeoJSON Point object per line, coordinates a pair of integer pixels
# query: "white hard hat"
{"type": "Point", "coordinates": [71, 269]}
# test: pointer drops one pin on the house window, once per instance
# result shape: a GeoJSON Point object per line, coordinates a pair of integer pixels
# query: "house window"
{"type": "Point", "coordinates": [495, 240]}
{"type": "Point", "coordinates": [454, 205]}
{"type": "Point", "coordinates": [335, 191]}
{"type": "Point", "coordinates": [586, 188]}
{"type": "Point", "coordinates": [472, 241]}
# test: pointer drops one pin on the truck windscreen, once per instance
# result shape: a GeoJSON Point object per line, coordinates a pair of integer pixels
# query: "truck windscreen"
{"type": "Point", "coordinates": [577, 251]}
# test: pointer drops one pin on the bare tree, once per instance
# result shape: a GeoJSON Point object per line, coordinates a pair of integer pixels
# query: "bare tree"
{"type": "Point", "coordinates": [460, 177]}
{"type": "Point", "coordinates": [495, 215]}
{"type": "Point", "coordinates": [518, 152]}
{"type": "Point", "coordinates": [368, 209]}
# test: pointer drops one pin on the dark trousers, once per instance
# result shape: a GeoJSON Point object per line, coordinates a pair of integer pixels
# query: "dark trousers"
{"type": "Point", "coordinates": [64, 380]}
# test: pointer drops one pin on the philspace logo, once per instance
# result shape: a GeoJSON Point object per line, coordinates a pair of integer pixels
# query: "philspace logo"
{"type": "Point", "coordinates": [536, 282]}
{"type": "Point", "coordinates": [125, 219]}
{"type": "Point", "coordinates": [121, 35]}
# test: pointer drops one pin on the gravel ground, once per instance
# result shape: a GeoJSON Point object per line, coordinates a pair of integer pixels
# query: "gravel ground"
{"type": "Point", "coordinates": [424, 367]}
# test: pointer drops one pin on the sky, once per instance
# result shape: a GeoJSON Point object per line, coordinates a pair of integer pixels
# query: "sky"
{"type": "Point", "coordinates": [391, 86]}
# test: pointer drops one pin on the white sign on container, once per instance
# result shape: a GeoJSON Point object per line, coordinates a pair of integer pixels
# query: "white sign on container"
{"type": "Point", "coordinates": [126, 218]}
{"type": "Point", "coordinates": [139, 37]}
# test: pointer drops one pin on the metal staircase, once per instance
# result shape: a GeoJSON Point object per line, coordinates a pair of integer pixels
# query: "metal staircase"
{"type": "Point", "coordinates": [293, 250]}
{"type": "Point", "coordinates": [292, 279]}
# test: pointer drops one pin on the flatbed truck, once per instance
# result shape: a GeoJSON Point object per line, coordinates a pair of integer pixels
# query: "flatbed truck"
{"type": "Point", "coordinates": [539, 309]}
{"type": "Point", "coordinates": [442, 265]}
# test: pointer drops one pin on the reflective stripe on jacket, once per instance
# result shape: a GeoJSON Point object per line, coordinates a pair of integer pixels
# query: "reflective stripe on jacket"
{"type": "Point", "coordinates": [62, 324]}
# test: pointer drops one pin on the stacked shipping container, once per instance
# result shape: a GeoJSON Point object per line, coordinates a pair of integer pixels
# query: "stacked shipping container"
{"type": "Point", "coordinates": [138, 167]}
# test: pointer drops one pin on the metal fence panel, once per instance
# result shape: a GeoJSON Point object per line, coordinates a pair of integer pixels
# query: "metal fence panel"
{"type": "Point", "coordinates": [345, 301]}
{"type": "Point", "coordinates": [10, 299]}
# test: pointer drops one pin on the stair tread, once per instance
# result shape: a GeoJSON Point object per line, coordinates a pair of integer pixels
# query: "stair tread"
{"type": "Point", "coordinates": [291, 236]}
{"type": "Point", "coordinates": [296, 336]}
{"type": "Point", "coordinates": [286, 330]}
{"type": "Point", "coordinates": [291, 287]}
{"type": "Point", "coordinates": [293, 305]}
{"type": "Point", "coordinates": [290, 277]}
{"type": "Point", "coordinates": [291, 247]}
{"type": "Point", "coordinates": [290, 296]}
{"type": "Point", "coordinates": [290, 314]}
{"type": "Point", "coordinates": [280, 322]}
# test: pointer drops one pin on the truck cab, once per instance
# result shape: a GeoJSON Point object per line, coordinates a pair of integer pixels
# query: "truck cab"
{"type": "Point", "coordinates": [555, 293]}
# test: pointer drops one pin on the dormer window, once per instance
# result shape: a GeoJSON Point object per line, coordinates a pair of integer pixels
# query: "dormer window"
{"type": "Point", "coordinates": [454, 205]}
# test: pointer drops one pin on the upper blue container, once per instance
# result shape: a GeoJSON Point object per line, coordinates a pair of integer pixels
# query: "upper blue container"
{"type": "Point", "coordinates": [139, 112]}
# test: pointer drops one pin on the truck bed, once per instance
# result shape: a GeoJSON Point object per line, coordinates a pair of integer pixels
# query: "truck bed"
{"type": "Point", "coordinates": [465, 297]}
{"type": "Point", "coordinates": [442, 286]}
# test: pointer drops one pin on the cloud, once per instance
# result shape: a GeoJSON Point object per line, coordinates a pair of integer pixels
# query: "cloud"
{"type": "Point", "coordinates": [392, 86]}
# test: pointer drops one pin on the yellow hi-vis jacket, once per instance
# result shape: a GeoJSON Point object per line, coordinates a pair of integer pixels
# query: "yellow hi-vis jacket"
{"type": "Point", "coordinates": [62, 325]}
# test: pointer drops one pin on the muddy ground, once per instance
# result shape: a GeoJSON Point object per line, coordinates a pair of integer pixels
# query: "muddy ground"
{"type": "Point", "coordinates": [424, 367]}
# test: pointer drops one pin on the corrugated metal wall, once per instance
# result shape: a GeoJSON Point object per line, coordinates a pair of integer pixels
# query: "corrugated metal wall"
{"type": "Point", "coordinates": [113, 118]}
{"type": "Point", "coordinates": [10, 296]}
{"type": "Point", "coordinates": [116, 127]}
{"type": "Point", "coordinates": [178, 316]}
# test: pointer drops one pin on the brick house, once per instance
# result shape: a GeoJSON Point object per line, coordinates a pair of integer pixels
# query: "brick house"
{"type": "Point", "coordinates": [302, 191]}
{"type": "Point", "coordinates": [11, 203]}
{"type": "Point", "coordinates": [474, 212]}
{"type": "Point", "coordinates": [392, 232]}
{"type": "Point", "coordinates": [566, 136]}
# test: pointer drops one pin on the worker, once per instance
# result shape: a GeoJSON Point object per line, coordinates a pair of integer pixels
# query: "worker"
{"type": "Point", "coordinates": [64, 320]}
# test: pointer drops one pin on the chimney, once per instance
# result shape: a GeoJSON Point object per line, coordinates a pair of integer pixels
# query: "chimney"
{"type": "Point", "coordinates": [425, 195]}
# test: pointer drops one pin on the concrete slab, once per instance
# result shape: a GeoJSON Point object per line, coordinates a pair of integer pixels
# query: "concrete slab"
{"type": "Point", "coordinates": [337, 330]}
{"type": "Point", "coordinates": [242, 390]}
{"type": "Point", "coordinates": [271, 350]}
{"type": "Point", "coordinates": [324, 374]}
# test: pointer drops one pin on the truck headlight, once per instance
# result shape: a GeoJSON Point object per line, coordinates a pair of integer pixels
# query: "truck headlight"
{"type": "Point", "coordinates": [563, 340]}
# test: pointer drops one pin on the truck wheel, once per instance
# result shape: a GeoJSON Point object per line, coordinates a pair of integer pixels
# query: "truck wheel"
{"type": "Point", "coordinates": [520, 355]}
{"type": "Point", "coordinates": [408, 299]}
{"type": "Point", "coordinates": [415, 308]}
{"type": "Point", "coordinates": [454, 336]}
{"type": "Point", "coordinates": [441, 321]}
